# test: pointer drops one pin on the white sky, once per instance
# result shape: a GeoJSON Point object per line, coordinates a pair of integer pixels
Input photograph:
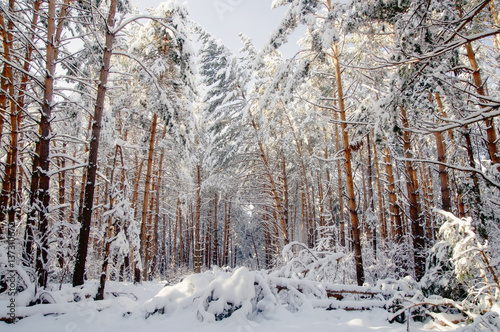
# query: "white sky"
{"type": "Point", "coordinates": [227, 18]}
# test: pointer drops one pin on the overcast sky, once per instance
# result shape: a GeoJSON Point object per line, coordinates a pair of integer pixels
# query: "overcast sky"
{"type": "Point", "coordinates": [227, 18]}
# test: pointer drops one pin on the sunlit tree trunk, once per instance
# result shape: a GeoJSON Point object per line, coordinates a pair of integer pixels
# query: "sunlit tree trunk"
{"type": "Point", "coordinates": [144, 219]}
{"type": "Point", "coordinates": [413, 197]}
{"type": "Point", "coordinates": [494, 16]}
{"type": "Point", "coordinates": [395, 212]}
{"type": "Point", "coordinates": [360, 275]}
{"type": "Point", "coordinates": [491, 134]}
{"type": "Point", "coordinates": [7, 95]}
{"type": "Point", "coordinates": [4, 81]}
{"type": "Point", "coordinates": [443, 174]}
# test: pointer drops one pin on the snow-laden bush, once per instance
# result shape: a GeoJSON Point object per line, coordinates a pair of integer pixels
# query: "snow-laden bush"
{"type": "Point", "coordinates": [440, 278]}
{"type": "Point", "coordinates": [13, 274]}
{"type": "Point", "coordinates": [219, 294]}
{"type": "Point", "coordinates": [216, 295]}
{"type": "Point", "coordinates": [393, 262]}
{"type": "Point", "coordinates": [300, 262]}
{"type": "Point", "coordinates": [460, 266]}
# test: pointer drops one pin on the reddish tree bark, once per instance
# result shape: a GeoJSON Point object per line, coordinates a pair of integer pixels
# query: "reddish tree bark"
{"type": "Point", "coordinates": [197, 225]}
{"type": "Point", "coordinates": [414, 201]}
{"type": "Point", "coordinates": [360, 275]}
{"type": "Point", "coordinates": [144, 219]}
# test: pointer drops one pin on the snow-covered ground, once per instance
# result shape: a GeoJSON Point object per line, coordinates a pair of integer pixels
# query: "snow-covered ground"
{"type": "Point", "coordinates": [127, 312]}
{"type": "Point", "coordinates": [313, 320]}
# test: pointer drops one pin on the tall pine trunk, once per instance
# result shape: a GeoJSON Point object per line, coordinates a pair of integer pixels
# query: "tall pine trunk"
{"type": "Point", "coordinates": [414, 201]}
{"type": "Point", "coordinates": [395, 212]}
{"type": "Point", "coordinates": [443, 174]}
{"type": "Point", "coordinates": [340, 186]}
{"type": "Point", "coordinates": [144, 219]}
{"type": "Point", "coordinates": [108, 234]}
{"type": "Point", "coordinates": [215, 255]}
{"type": "Point", "coordinates": [7, 95]}
{"type": "Point", "coordinates": [360, 275]}
{"type": "Point", "coordinates": [197, 226]}
{"type": "Point", "coordinates": [383, 224]}
{"type": "Point", "coordinates": [45, 136]}
{"type": "Point", "coordinates": [85, 218]}
{"type": "Point", "coordinates": [371, 198]}
{"type": "Point", "coordinates": [491, 134]}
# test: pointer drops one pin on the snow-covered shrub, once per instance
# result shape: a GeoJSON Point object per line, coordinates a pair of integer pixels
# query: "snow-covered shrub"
{"type": "Point", "coordinates": [329, 266]}
{"type": "Point", "coordinates": [460, 266]}
{"type": "Point", "coordinates": [220, 294]}
{"type": "Point", "coordinates": [440, 278]}
{"type": "Point", "coordinates": [14, 274]}
{"type": "Point", "coordinates": [487, 322]}
{"type": "Point", "coordinates": [391, 263]}
{"type": "Point", "coordinates": [63, 242]}
{"type": "Point", "coordinates": [216, 295]}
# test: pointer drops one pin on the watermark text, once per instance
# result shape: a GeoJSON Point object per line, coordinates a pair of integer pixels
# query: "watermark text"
{"type": "Point", "coordinates": [223, 7]}
{"type": "Point", "coordinates": [11, 277]}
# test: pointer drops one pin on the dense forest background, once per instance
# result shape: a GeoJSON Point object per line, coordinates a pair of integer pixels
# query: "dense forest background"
{"type": "Point", "coordinates": [138, 147]}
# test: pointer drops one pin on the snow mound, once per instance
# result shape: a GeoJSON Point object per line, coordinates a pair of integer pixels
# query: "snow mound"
{"type": "Point", "coordinates": [215, 295]}
{"type": "Point", "coordinates": [218, 294]}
